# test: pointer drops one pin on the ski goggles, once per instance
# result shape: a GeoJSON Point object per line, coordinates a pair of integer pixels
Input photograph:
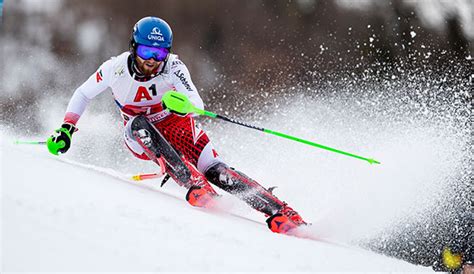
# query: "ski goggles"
{"type": "Point", "coordinates": [146, 52]}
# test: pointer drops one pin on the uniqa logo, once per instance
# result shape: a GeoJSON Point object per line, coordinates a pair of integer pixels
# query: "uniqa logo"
{"type": "Point", "coordinates": [156, 35]}
{"type": "Point", "coordinates": [156, 31]}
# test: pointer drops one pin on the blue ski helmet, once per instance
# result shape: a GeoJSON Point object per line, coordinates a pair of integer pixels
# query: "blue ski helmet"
{"type": "Point", "coordinates": [153, 32]}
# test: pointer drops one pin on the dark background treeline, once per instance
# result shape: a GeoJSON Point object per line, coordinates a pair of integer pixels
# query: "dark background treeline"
{"type": "Point", "coordinates": [233, 45]}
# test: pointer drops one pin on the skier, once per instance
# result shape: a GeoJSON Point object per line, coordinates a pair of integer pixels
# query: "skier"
{"type": "Point", "coordinates": [138, 79]}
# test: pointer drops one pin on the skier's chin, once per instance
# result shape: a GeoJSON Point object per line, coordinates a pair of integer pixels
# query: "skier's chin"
{"type": "Point", "coordinates": [148, 71]}
{"type": "Point", "coordinates": [147, 67]}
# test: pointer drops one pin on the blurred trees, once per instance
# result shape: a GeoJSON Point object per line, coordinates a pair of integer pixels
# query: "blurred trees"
{"type": "Point", "coordinates": [235, 46]}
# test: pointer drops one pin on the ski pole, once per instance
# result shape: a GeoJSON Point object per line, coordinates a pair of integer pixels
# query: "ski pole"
{"type": "Point", "coordinates": [180, 103]}
{"type": "Point", "coordinates": [137, 177]}
{"type": "Point", "coordinates": [18, 142]}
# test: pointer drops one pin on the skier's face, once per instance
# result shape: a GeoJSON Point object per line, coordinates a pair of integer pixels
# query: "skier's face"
{"type": "Point", "coordinates": [148, 67]}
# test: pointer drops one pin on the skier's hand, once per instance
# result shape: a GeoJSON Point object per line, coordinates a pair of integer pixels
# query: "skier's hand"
{"type": "Point", "coordinates": [172, 110]}
{"type": "Point", "coordinates": [60, 141]}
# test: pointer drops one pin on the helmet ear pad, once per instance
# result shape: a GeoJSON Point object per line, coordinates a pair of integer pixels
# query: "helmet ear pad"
{"type": "Point", "coordinates": [132, 47]}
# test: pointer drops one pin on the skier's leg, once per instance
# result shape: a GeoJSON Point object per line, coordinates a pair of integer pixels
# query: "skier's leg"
{"type": "Point", "coordinates": [190, 140]}
{"type": "Point", "coordinates": [243, 187]}
{"type": "Point", "coordinates": [282, 217]}
{"type": "Point", "coordinates": [145, 140]}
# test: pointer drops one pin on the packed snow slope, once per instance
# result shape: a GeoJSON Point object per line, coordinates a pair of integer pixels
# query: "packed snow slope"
{"type": "Point", "coordinates": [58, 215]}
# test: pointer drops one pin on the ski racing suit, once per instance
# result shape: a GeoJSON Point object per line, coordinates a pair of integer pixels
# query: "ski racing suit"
{"type": "Point", "coordinates": [136, 95]}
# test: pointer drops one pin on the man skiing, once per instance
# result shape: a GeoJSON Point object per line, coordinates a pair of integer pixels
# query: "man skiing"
{"type": "Point", "coordinates": [138, 79]}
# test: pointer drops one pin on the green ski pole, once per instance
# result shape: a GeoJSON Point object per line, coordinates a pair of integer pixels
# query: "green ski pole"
{"type": "Point", "coordinates": [178, 102]}
{"type": "Point", "coordinates": [18, 142]}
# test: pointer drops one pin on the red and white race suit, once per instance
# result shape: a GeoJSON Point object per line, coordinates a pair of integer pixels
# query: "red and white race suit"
{"type": "Point", "coordinates": [137, 97]}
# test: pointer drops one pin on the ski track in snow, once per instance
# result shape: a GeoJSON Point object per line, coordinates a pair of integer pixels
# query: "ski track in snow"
{"type": "Point", "coordinates": [58, 215]}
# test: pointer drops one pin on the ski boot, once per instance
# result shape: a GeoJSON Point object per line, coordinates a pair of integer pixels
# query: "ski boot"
{"type": "Point", "coordinates": [201, 193]}
{"type": "Point", "coordinates": [285, 220]}
{"type": "Point", "coordinates": [200, 196]}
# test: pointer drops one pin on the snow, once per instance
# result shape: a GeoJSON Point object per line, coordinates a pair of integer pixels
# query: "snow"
{"type": "Point", "coordinates": [435, 13]}
{"type": "Point", "coordinates": [35, 6]}
{"type": "Point", "coordinates": [432, 13]}
{"type": "Point", "coordinates": [58, 215]}
{"type": "Point", "coordinates": [89, 35]}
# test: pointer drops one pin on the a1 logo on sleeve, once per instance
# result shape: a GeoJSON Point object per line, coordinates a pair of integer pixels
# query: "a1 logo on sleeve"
{"type": "Point", "coordinates": [98, 76]}
{"type": "Point", "coordinates": [142, 93]}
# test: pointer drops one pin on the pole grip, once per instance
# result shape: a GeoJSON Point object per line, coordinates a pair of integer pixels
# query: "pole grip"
{"type": "Point", "coordinates": [146, 176]}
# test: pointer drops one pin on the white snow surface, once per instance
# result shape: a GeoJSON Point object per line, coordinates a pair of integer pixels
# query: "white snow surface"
{"type": "Point", "coordinates": [58, 215]}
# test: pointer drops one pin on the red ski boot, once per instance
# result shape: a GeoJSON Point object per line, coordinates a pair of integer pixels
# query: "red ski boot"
{"type": "Point", "coordinates": [201, 193]}
{"type": "Point", "coordinates": [200, 196]}
{"type": "Point", "coordinates": [285, 220]}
